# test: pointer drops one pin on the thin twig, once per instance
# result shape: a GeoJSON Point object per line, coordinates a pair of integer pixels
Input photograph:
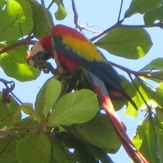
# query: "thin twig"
{"type": "Point", "coordinates": [75, 15]}
{"type": "Point", "coordinates": [10, 89]}
{"type": "Point", "coordinates": [160, 24]}
{"type": "Point", "coordinates": [51, 3]}
{"type": "Point", "coordinates": [119, 24]}
{"type": "Point", "coordinates": [107, 30]}
{"type": "Point", "coordinates": [120, 10]}
{"type": "Point", "coordinates": [136, 73]}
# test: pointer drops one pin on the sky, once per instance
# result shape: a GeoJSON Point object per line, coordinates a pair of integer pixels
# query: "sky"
{"type": "Point", "coordinates": [101, 15]}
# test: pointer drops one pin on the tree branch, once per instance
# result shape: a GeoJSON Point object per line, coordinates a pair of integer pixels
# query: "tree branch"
{"type": "Point", "coordinates": [107, 30]}
{"type": "Point", "coordinates": [8, 90]}
{"type": "Point", "coordinates": [119, 24]}
{"type": "Point", "coordinates": [120, 10]}
{"type": "Point", "coordinates": [19, 43]}
{"type": "Point", "coordinates": [160, 24]}
{"type": "Point", "coordinates": [11, 132]}
{"type": "Point", "coordinates": [136, 73]}
{"type": "Point", "coordinates": [75, 15]}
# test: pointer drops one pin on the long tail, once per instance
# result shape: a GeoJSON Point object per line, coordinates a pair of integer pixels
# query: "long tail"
{"type": "Point", "coordinates": [107, 105]}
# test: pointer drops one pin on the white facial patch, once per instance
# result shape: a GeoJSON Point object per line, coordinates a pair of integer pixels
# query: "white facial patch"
{"type": "Point", "coordinates": [34, 50]}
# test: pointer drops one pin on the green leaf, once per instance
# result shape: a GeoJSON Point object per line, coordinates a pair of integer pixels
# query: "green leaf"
{"type": "Point", "coordinates": [146, 140]}
{"type": "Point", "coordinates": [41, 26]}
{"type": "Point", "coordinates": [7, 151]}
{"type": "Point", "coordinates": [129, 43]}
{"type": "Point", "coordinates": [34, 148]}
{"type": "Point", "coordinates": [156, 64]}
{"type": "Point", "coordinates": [160, 142]}
{"type": "Point", "coordinates": [77, 107]}
{"type": "Point", "coordinates": [26, 122]}
{"type": "Point", "coordinates": [60, 153]}
{"type": "Point", "coordinates": [47, 96]}
{"type": "Point", "coordinates": [28, 109]}
{"type": "Point", "coordinates": [61, 12]}
{"type": "Point", "coordinates": [159, 131]}
{"type": "Point", "coordinates": [15, 65]}
{"type": "Point", "coordinates": [155, 95]}
{"type": "Point", "coordinates": [154, 68]}
{"type": "Point", "coordinates": [83, 151]}
{"type": "Point", "coordinates": [2, 4]}
{"type": "Point", "coordinates": [130, 110]}
{"type": "Point", "coordinates": [151, 16]}
{"type": "Point", "coordinates": [16, 20]}
{"type": "Point", "coordinates": [129, 89]}
{"type": "Point", "coordinates": [98, 132]}
{"type": "Point", "coordinates": [141, 6]}
{"type": "Point", "coordinates": [9, 113]}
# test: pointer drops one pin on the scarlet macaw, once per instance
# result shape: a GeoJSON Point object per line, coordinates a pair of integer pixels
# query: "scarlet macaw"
{"type": "Point", "coordinates": [75, 50]}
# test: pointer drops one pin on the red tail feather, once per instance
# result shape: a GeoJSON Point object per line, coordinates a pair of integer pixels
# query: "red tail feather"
{"type": "Point", "coordinates": [107, 105]}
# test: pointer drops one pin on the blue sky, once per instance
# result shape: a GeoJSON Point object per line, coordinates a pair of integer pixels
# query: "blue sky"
{"type": "Point", "coordinates": [101, 14]}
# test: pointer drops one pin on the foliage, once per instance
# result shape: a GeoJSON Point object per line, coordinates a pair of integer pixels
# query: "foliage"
{"type": "Point", "coordinates": [65, 125]}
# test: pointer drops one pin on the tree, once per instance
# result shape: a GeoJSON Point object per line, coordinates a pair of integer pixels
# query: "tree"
{"type": "Point", "coordinates": [65, 125]}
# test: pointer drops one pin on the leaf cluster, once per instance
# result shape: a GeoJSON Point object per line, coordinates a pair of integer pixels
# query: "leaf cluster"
{"type": "Point", "coordinates": [65, 124]}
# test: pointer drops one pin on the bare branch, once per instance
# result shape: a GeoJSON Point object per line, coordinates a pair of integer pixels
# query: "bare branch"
{"type": "Point", "coordinates": [19, 43]}
{"type": "Point", "coordinates": [136, 73]}
{"type": "Point", "coordinates": [119, 24]}
{"type": "Point", "coordinates": [50, 4]}
{"type": "Point", "coordinates": [12, 132]}
{"type": "Point", "coordinates": [107, 30]}
{"type": "Point", "coordinates": [75, 15]}
{"type": "Point", "coordinates": [120, 10]}
{"type": "Point", "coordinates": [8, 90]}
{"type": "Point", "coordinates": [160, 24]}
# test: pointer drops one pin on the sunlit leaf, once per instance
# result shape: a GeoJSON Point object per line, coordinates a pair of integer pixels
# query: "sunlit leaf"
{"type": "Point", "coordinates": [155, 69]}
{"type": "Point", "coordinates": [156, 95]}
{"type": "Point", "coordinates": [141, 6]}
{"type": "Point", "coordinates": [15, 65]}
{"type": "Point", "coordinates": [130, 110]}
{"type": "Point", "coordinates": [77, 107]}
{"type": "Point", "coordinates": [146, 140]}
{"type": "Point", "coordinates": [16, 20]}
{"type": "Point", "coordinates": [126, 42]}
{"type": "Point", "coordinates": [61, 12]}
{"type": "Point", "coordinates": [34, 148]}
{"type": "Point", "coordinates": [47, 96]}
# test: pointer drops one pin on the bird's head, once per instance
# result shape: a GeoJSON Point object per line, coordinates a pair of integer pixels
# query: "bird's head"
{"type": "Point", "coordinates": [40, 52]}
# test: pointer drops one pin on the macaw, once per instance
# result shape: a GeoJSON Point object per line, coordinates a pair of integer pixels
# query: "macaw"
{"type": "Point", "coordinates": [75, 50]}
